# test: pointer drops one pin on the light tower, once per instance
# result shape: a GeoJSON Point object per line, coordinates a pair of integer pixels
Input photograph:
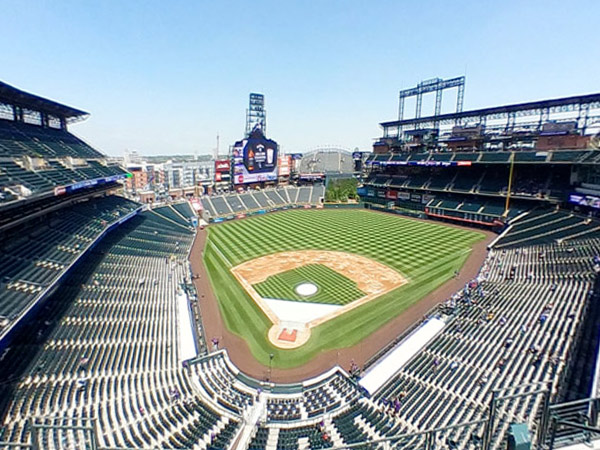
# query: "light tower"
{"type": "Point", "coordinates": [256, 113]}
{"type": "Point", "coordinates": [436, 85]}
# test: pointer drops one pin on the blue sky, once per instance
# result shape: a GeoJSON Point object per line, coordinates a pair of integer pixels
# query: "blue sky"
{"type": "Point", "coordinates": [164, 77]}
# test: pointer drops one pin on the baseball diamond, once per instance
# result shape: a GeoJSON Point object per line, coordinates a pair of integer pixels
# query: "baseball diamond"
{"type": "Point", "coordinates": [293, 321]}
{"type": "Point", "coordinates": [424, 254]}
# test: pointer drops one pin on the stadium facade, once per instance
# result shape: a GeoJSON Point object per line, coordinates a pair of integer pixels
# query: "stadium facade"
{"type": "Point", "coordinates": [102, 339]}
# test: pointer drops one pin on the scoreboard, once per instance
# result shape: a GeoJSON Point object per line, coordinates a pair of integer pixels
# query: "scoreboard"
{"type": "Point", "coordinates": [255, 159]}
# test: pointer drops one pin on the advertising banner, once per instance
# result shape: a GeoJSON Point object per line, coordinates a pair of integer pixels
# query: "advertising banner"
{"type": "Point", "coordinates": [222, 165]}
{"type": "Point", "coordinates": [392, 195]}
{"type": "Point", "coordinates": [285, 165]}
{"type": "Point", "coordinates": [421, 163]}
{"type": "Point", "coordinates": [61, 190]}
{"type": "Point", "coordinates": [585, 200]}
{"type": "Point", "coordinates": [222, 170]}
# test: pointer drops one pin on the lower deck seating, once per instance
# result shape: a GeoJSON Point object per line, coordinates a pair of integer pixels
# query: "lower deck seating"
{"type": "Point", "coordinates": [514, 328]}
{"type": "Point", "coordinates": [113, 352]}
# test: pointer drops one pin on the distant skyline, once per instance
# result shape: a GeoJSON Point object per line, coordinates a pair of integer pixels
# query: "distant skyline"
{"type": "Point", "coordinates": [167, 77]}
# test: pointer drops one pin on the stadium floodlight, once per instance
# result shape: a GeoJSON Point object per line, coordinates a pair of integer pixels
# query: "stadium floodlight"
{"type": "Point", "coordinates": [256, 115]}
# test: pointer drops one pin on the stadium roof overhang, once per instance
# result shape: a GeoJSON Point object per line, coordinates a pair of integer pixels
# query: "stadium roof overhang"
{"type": "Point", "coordinates": [590, 101]}
{"type": "Point", "coordinates": [13, 96]}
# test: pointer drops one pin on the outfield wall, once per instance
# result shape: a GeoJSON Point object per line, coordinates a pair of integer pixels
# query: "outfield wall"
{"type": "Point", "coordinates": [360, 205]}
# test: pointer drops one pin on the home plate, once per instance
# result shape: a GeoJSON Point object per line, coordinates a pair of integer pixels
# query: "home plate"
{"type": "Point", "coordinates": [299, 312]}
{"type": "Point", "coordinates": [288, 335]}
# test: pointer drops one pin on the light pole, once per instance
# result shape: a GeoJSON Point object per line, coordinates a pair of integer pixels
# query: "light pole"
{"type": "Point", "coordinates": [271, 356]}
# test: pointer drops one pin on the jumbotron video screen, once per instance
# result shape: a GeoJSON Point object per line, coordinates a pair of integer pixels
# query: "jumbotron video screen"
{"type": "Point", "coordinates": [255, 159]}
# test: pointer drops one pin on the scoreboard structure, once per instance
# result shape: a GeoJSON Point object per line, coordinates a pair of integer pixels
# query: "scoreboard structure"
{"type": "Point", "coordinates": [255, 159]}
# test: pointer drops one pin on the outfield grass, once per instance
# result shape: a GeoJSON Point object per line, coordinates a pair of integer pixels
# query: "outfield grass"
{"type": "Point", "coordinates": [426, 253]}
{"type": "Point", "coordinates": [334, 288]}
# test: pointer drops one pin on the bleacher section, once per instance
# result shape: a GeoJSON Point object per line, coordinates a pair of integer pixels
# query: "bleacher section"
{"type": "Point", "coordinates": [317, 194]}
{"type": "Point", "coordinates": [322, 161]}
{"type": "Point", "coordinates": [20, 139]}
{"type": "Point", "coordinates": [32, 257]}
{"type": "Point", "coordinates": [170, 213]}
{"type": "Point", "coordinates": [221, 206]}
{"type": "Point", "coordinates": [184, 209]}
{"type": "Point", "coordinates": [35, 160]}
{"type": "Point", "coordinates": [208, 206]}
{"type": "Point", "coordinates": [303, 195]}
{"type": "Point", "coordinates": [113, 354]}
{"type": "Point", "coordinates": [515, 327]}
{"type": "Point", "coordinates": [267, 199]}
{"type": "Point", "coordinates": [547, 226]}
{"type": "Point", "coordinates": [261, 199]}
{"type": "Point", "coordinates": [249, 201]}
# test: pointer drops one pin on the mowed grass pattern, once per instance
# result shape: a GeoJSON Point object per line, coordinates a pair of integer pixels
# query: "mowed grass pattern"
{"type": "Point", "coordinates": [427, 253]}
{"type": "Point", "coordinates": [334, 288]}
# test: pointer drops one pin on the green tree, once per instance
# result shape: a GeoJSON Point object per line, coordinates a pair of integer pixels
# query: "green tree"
{"type": "Point", "coordinates": [341, 190]}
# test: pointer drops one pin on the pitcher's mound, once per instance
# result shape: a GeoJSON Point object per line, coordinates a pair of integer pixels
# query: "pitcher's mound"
{"type": "Point", "coordinates": [306, 289]}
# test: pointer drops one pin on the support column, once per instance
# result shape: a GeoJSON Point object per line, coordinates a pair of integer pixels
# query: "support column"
{"type": "Point", "coordinates": [401, 108]}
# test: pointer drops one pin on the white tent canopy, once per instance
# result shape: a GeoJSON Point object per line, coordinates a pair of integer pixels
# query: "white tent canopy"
{"type": "Point", "coordinates": [378, 374]}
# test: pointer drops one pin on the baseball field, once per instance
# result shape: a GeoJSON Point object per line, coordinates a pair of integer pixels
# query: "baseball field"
{"type": "Point", "coordinates": [423, 255]}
